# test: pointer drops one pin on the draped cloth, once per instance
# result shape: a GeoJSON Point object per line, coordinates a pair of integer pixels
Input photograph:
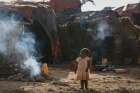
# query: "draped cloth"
{"type": "Point", "coordinates": [81, 73]}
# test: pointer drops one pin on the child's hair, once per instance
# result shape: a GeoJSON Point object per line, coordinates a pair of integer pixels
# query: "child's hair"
{"type": "Point", "coordinates": [85, 51]}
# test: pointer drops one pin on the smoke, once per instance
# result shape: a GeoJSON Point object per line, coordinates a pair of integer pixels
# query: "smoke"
{"type": "Point", "coordinates": [33, 66]}
{"type": "Point", "coordinates": [103, 30]}
{"type": "Point", "coordinates": [17, 43]}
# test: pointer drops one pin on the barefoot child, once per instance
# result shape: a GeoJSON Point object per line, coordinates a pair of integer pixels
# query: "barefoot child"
{"type": "Point", "coordinates": [82, 71]}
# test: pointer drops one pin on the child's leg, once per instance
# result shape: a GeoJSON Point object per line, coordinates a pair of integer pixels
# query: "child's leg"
{"type": "Point", "coordinates": [82, 84]}
{"type": "Point", "coordinates": [86, 84]}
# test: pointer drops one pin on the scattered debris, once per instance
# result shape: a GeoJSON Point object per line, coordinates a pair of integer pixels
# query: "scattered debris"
{"type": "Point", "coordinates": [120, 71]}
{"type": "Point", "coordinates": [100, 82]}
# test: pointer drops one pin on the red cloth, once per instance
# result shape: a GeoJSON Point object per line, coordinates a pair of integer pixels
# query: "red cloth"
{"type": "Point", "coordinates": [56, 51]}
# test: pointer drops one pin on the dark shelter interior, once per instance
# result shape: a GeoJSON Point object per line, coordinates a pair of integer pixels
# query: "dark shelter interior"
{"type": "Point", "coordinates": [43, 43]}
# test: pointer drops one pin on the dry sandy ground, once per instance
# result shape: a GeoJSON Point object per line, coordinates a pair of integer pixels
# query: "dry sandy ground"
{"type": "Point", "coordinates": [64, 82]}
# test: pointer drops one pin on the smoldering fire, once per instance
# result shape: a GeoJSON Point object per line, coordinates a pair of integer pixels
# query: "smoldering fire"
{"type": "Point", "coordinates": [16, 39]}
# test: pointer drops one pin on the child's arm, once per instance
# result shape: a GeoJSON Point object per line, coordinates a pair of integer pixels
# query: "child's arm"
{"type": "Point", "coordinates": [88, 65]}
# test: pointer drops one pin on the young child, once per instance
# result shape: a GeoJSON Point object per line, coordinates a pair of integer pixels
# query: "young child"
{"type": "Point", "coordinates": [83, 67]}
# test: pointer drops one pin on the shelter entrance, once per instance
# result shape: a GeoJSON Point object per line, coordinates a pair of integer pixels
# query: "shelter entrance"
{"type": "Point", "coordinates": [43, 43]}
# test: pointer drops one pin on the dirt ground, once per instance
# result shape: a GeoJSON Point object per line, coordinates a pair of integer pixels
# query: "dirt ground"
{"type": "Point", "coordinates": [64, 82]}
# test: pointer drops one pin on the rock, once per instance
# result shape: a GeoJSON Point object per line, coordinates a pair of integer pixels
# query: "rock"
{"type": "Point", "coordinates": [120, 71]}
{"type": "Point", "coordinates": [59, 83]}
{"type": "Point", "coordinates": [51, 90]}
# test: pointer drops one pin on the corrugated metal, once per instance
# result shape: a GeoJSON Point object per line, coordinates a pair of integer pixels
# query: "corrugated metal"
{"type": "Point", "coordinates": [129, 9]}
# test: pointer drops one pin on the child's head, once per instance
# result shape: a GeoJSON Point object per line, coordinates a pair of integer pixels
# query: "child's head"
{"type": "Point", "coordinates": [85, 52]}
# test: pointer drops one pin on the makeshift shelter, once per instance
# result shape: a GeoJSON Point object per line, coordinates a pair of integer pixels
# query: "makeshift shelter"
{"type": "Point", "coordinates": [119, 37]}
{"type": "Point", "coordinates": [43, 24]}
{"type": "Point", "coordinates": [132, 11]}
{"type": "Point", "coordinates": [41, 19]}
